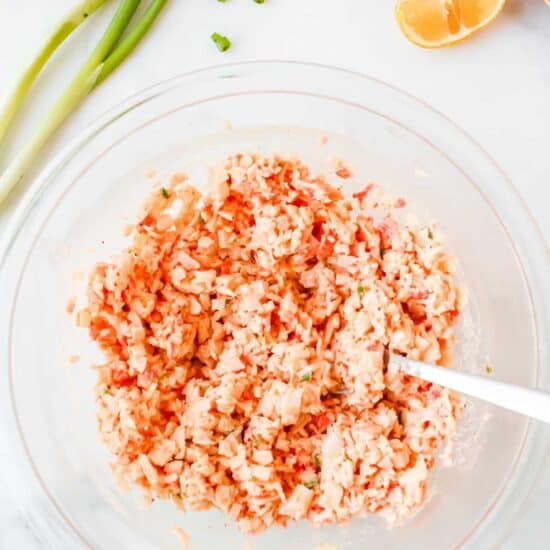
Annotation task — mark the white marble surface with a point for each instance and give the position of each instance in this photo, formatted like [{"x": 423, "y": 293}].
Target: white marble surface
[{"x": 496, "y": 86}]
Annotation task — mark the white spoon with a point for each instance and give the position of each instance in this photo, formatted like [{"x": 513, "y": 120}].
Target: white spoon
[{"x": 527, "y": 401}]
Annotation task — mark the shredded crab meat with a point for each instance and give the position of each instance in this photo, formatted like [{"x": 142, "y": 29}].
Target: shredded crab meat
[{"x": 244, "y": 333}]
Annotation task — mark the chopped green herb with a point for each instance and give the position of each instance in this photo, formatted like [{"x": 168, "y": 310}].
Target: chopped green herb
[
  {"x": 361, "y": 290},
  {"x": 164, "y": 193},
  {"x": 106, "y": 391},
  {"x": 222, "y": 42},
  {"x": 259, "y": 1},
  {"x": 254, "y": 479},
  {"x": 222, "y": 0},
  {"x": 230, "y": 432},
  {"x": 488, "y": 369},
  {"x": 306, "y": 377},
  {"x": 317, "y": 460},
  {"x": 430, "y": 234},
  {"x": 256, "y": 442},
  {"x": 205, "y": 389},
  {"x": 311, "y": 484},
  {"x": 201, "y": 219}
]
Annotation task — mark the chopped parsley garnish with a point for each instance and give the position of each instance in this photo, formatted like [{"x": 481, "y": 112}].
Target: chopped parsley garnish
[
  {"x": 205, "y": 389},
  {"x": 311, "y": 484},
  {"x": 361, "y": 290},
  {"x": 164, "y": 193},
  {"x": 106, "y": 391},
  {"x": 306, "y": 377},
  {"x": 256, "y": 442},
  {"x": 430, "y": 234},
  {"x": 222, "y": 42},
  {"x": 259, "y": 1},
  {"x": 317, "y": 460}
]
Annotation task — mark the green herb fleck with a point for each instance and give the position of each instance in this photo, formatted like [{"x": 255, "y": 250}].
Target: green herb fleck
[
  {"x": 201, "y": 219},
  {"x": 205, "y": 389},
  {"x": 361, "y": 290},
  {"x": 259, "y": 1},
  {"x": 430, "y": 234},
  {"x": 306, "y": 377},
  {"x": 221, "y": 1},
  {"x": 488, "y": 369},
  {"x": 256, "y": 442},
  {"x": 317, "y": 460},
  {"x": 222, "y": 42},
  {"x": 106, "y": 391},
  {"x": 164, "y": 193},
  {"x": 230, "y": 432},
  {"x": 254, "y": 479},
  {"x": 311, "y": 484}
]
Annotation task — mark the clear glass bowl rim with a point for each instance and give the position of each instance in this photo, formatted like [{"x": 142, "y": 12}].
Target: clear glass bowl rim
[{"x": 539, "y": 263}]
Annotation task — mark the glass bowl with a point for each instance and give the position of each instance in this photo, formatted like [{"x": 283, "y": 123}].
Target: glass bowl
[{"x": 73, "y": 216}]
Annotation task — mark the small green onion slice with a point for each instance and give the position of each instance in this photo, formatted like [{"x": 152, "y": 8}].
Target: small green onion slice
[{"x": 222, "y": 42}]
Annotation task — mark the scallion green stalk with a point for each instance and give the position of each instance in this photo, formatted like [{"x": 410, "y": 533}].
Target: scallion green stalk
[
  {"x": 109, "y": 53},
  {"x": 64, "y": 28},
  {"x": 131, "y": 40}
]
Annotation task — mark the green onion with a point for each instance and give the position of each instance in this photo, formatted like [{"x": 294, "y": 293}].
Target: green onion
[
  {"x": 259, "y": 1},
  {"x": 222, "y": 42},
  {"x": 164, "y": 193},
  {"x": 63, "y": 29},
  {"x": 105, "y": 58},
  {"x": 131, "y": 40},
  {"x": 311, "y": 484},
  {"x": 306, "y": 377},
  {"x": 317, "y": 460}
]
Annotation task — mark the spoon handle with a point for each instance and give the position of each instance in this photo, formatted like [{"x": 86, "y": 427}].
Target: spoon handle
[{"x": 527, "y": 401}]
